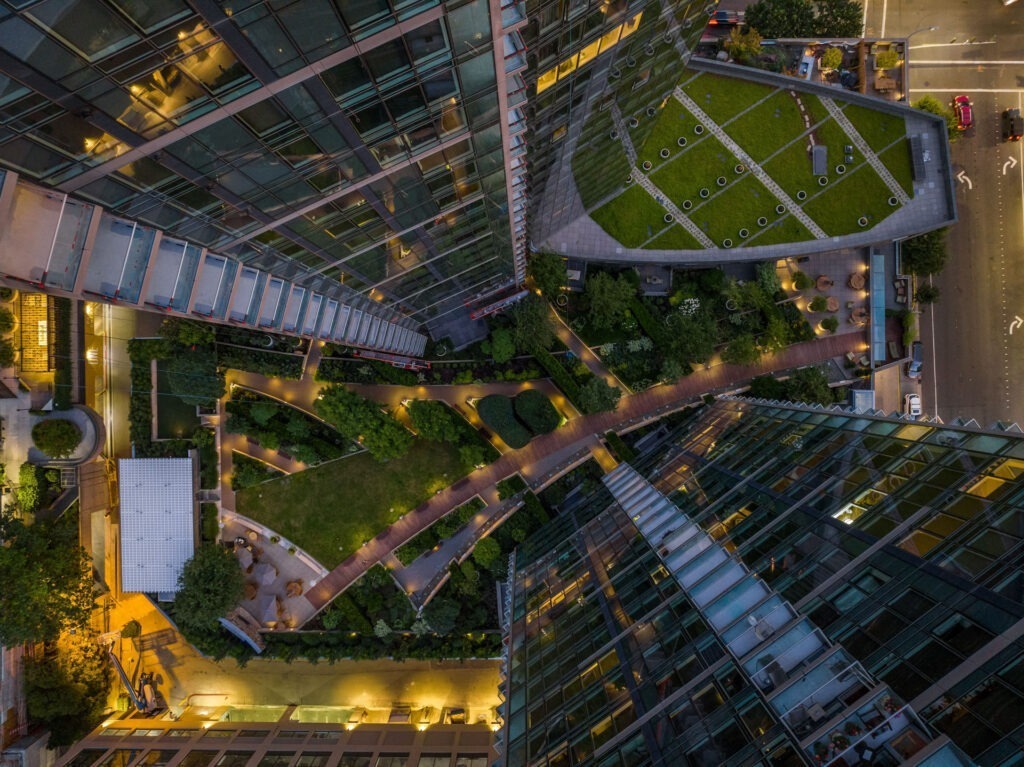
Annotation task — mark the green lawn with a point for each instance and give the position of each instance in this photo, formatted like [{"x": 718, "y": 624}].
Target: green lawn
[
  {"x": 814, "y": 107},
  {"x": 861, "y": 193},
  {"x": 788, "y": 229},
  {"x": 738, "y": 207},
  {"x": 674, "y": 238},
  {"x": 768, "y": 127},
  {"x": 897, "y": 159},
  {"x": 672, "y": 122},
  {"x": 331, "y": 510},
  {"x": 632, "y": 218},
  {"x": 724, "y": 97},
  {"x": 791, "y": 169},
  {"x": 879, "y": 129},
  {"x": 697, "y": 167}
]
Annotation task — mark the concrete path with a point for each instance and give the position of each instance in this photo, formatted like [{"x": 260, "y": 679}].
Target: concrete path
[
  {"x": 872, "y": 159},
  {"x": 584, "y": 353}
]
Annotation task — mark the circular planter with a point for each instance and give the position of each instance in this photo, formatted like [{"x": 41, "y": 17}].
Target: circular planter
[
  {"x": 630, "y": 61},
  {"x": 893, "y": 202},
  {"x": 726, "y": 243},
  {"x": 822, "y": 180},
  {"x": 629, "y": 180},
  {"x": 441, "y": 350},
  {"x": 801, "y": 195},
  {"x": 862, "y": 221},
  {"x": 651, "y": 111},
  {"x": 614, "y": 72},
  {"x": 698, "y": 129},
  {"x": 647, "y": 165},
  {"x": 705, "y": 193},
  {"x": 780, "y": 209},
  {"x": 739, "y": 169},
  {"x": 721, "y": 181},
  {"x": 731, "y": 305},
  {"x": 681, "y": 141},
  {"x": 663, "y": 154},
  {"x": 649, "y": 50},
  {"x": 634, "y": 123},
  {"x": 687, "y": 204},
  {"x": 562, "y": 299},
  {"x": 840, "y": 169},
  {"x": 613, "y": 135},
  {"x": 667, "y": 218},
  {"x": 744, "y": 234},
  {"x": 762, "y": 221}
]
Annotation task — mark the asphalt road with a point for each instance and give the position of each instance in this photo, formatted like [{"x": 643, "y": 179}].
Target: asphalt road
[{"x": 974, "y": 366}]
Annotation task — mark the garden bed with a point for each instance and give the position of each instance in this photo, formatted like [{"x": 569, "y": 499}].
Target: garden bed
[
  {"x": 248, "y": 472},
  {"x": 440, "y": 531},
  {"x": 175, "y": 419}
]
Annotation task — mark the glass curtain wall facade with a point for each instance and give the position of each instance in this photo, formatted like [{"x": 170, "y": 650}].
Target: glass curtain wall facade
[
  {"x": 897, "y": 544},
  {"x": 589, "y": 64},
  {"x": 362, "y": 143}
]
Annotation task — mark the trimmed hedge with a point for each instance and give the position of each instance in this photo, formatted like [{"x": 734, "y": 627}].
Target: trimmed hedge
[
  {"x": 536, "y": 412},
  {"x": 62, "y": 394},
  {"x": 441, "y": 530},
  {"x": 654, "y": 329},
  {"x": 498, "y": 413},
  {"x": 563, "y": 380},
  {"x": 268, "y": 363},
  {"x": 621, "y": 450},
  {"x": 351, "y": 370}
]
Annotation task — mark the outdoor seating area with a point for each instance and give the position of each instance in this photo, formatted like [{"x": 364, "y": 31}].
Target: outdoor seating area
[{"x": 825, "y": 294}]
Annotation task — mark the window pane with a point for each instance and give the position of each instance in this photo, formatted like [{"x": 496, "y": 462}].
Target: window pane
[{"x": 86, "y": 25}]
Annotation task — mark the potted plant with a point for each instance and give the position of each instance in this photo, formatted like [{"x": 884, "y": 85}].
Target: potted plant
[
  {"x": 852, "y": 729},
  {"x": 840, "y": 741}
]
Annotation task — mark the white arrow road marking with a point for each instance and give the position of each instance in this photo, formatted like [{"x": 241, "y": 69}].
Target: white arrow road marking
[
  {"x": 1012, "y": 162},
  {"x": 963, "y": 178},
  {"x": 1017, "y": 322}
]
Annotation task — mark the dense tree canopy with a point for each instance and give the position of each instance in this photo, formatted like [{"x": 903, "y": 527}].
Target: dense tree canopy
[
  {"x": 358, "y": 418},
  {"x": 608, "y": 298},
  {"x": 548, "y": 273},
  {"x": 743, "y": 44},
  {"x": 742, "y": 350},
  {"x": 781, "y": 18},
  {"x": 46, "y": 580},
  {"x": 57, "y": 437},
  {"x": 193, "y": 377},
  {"x": 838, "y": 18},
  {"x": 929, "y": 103},
  {"x": 597, "y": 396},
  {"x": 6, "y": 320},
  {"x": 503, "y": 345},
  {"x": 184, "y": 332},
  {"x": 434, "y": 420},
  {"x": 210, "y": 584},
  {"x": 531, "y": 323},
  {"x": 926, "y": 253}
]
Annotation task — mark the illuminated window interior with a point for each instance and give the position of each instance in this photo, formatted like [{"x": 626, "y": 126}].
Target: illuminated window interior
[{"x": 605, "y": 43}]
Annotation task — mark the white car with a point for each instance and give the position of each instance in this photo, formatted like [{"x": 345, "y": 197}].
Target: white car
[{"x": 912, "y": 405}]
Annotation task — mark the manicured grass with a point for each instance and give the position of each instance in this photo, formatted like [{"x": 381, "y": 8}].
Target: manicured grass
[
  {"x": 672, "y": 122},
  {"x": 897, "y": 159},
  {"x": 674, "y": 238},
  {"x": 787, "y": 229},
  {"x": 879, "y": 129},
  {"x": 767, "y": 127},
  {"x": 697, "y": 167},
  {"x": 861, "y": 193},
  {"x": 724, "y": 97},
  {"x": 631, "y": 218},
  {"x": 814, "y": 107},
  {"x": 792, "y": 169},
  {"x": 738, "y": 207},
  {"x": 331, "y": 510}
]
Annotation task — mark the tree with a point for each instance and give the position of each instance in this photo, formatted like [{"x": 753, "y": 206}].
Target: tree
[
  {"x": 434, "y": 420},
  {"x": 887, "y": 59},
  {"x": 781, "y": 18},
  {"x": 210, "y": 584},
  {"x": 743, "y": 44},
  {"x": 503, "y": 345},
  {"x": 831, "y": 324},
  {"x": 187, "y": 332},
  {"x": 693, "y": 337},
  {"x": 597, "y": 396},
  {"x": 47, "y": 587},
  {"x": 608, "y": 299},
  {"x": 838, "y": 18},
  {"x": 486, "y": 551},
  {"x": 767, "y": 387},
  {"x": 360, "y": 419},
  {"x": 818, "y": 304},
  {"x": 472, "y": 455},
  {"x": 56, "y": 437},
  {"x": 381, "y": 629},
  {"x": 6, "y": 353},
  {"x": 66, "y": 688},
  {"x": 810, "y": 386},
  {"x": 926, "y": 253},
  {"x": 547, "y": 270},
  {"x": 193, "y": 377},
  {"x": 6, "y": 320},
  {"x": 30, "y": 490},
  {"x": 927, "y": 294},
  {"x": 535, "y": 410},
  {"x": 531, "y": 323},
  {"x": 261, "y": 412},
  {"x": 832, "y": 58},
  {"x": 929, "y": 103},
  {"x": 742, "y": 350},
  {"x": 441, "y": 613}
]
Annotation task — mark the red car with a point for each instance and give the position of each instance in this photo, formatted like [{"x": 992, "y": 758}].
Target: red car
[{"x": 964, "y": 116}]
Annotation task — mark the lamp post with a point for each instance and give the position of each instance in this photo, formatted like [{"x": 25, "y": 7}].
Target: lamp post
[{"x": 922, "y": 29}]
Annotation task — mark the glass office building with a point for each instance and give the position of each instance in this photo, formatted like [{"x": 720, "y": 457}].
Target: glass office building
[
  {"x": 366, "y": 150},
  {"x": 778, "y": 585}
]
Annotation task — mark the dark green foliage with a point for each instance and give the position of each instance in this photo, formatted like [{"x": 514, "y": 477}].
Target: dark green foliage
[
  {"x": 46, "y": 580},
  {"x": 802, "y": 282},
  {"x": 831, "y": 324},
  {"x": 247, "y": 472},
  {"x": 56, "y": 437},
  {"x": 563, "y": 380},
  {"x": 379, "y": 599},
  {"x": 30, "y": 488},
  {"x": 927, "y": 294},
  {"x": 435, "y": 421},
  {"x": 344, "y": 614},
  {"x": 486, "y": 552},
  {"x": 276, "y": 425},
  {"x": 782, "y": 18},
  {"x": 536, "y": 412},
  {"x": 503, "y": 345},
  {"x": 210, "y": 584},
  {"x": 62, "y": 394},
  {"x": 925, "y": 254},
  {"x": 444, "y": 528},
  {"x": 498, "y": 413},
  {"x": 548, "y": 273},
  {"x": 608, "y": 298},
  {"x": 358, "y": 418},
  {"x": 929, "y": 103},
  {"x": 268, "y": 363},
  {"x": 767, "y": 387},
  {"x": 193, "y": 377},
  {"x": 620, "y": 449},
  {"x": 838, "y": 18},
  {"x": 531, "y": 324},
  {"x": 6, "y": 320},
  {"x": 510, "y": 486},
  {"x": 808, "y": 385},
  {"x": 441, "y": 614},
  {"x": 817, "y": 304},
  {"x": 742, "y": 350},
  {"x": 208, "y": 522},
  {"x": 350, "y": 369},
  {"x": 597, "y": 396},
  {"x": 655, "y": 329},
  {"x": 6, "y": 353},
  {"x": 187, "y": 333}
]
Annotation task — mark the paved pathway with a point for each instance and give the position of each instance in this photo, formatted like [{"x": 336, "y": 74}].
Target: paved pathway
[
  {"x": 858, "y": 141},
  {"x": 663, "y": 199},
  {"x": 584, "y": 353},
  {"x": 540, "y": 456},
  {"x": 746, "y": 159}
]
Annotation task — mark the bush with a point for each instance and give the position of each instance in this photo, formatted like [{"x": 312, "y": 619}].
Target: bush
[
  {"x": 6, "y": 320},
  {"x": 818, "y": 304},
  {"x": 558, "y": 373},
  {"x": 56, "y": 437},
  {"x": 267, "y": 363},
  {"x": 620, "y": 449},
  {"x": 536, "y": 412},
  {"x": 247, "y": 472},
  {"x": 498, "y": 413},
  {"x": 510, "y": 486},
  {"x": 359, "y": 418},
  {"x": 6, "y": 353},
  {"x": 62, "y": 353},
  {"x": 208, "y": 526},
  {"x": 802, "y": 282},
  {"x": 831, "y": 324},
  {"x": 599, "y": 396},
  {"x": 30, "y": 488}
]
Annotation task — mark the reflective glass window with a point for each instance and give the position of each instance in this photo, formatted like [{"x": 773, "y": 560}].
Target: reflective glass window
[{"x": 86, "y": 25}]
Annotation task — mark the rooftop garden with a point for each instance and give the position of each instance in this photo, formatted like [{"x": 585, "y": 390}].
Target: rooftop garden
[{"x": 696, "y": 171}]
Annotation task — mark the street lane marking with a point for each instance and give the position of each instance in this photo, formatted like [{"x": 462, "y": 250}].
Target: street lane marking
[
  {"x": 1017, "y": 322},
  {"x": 885, "y": 10},
  {"x": 935, "y": 372},
  {"x": 962, "y": 63},
  {"x": 952, "y": 45},
  {"x": 963, "y": 178},
  {"x": 1012, "y": 162},
  {"x": 973, "y": 90}
]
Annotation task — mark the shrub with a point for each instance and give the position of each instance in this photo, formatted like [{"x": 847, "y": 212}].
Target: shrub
[
  {"x": 6, "y": 353},
  {"x": 262, "y": 361},
  {"x": 818, "y": 304},
  {"x": 536, "y": 412},
  {"x": 62, "y": 353},
  {"x": 802, "y": 282},
  {"x": 30, "y": 488},
  {"x": 558, "y": 373},
  {"x": 498, "y": 413},
  {"x": 831, "y": 324},
  {"x": 56, "y": 437},
  {"x": 6, "y": 320},
  {"x": 510, "y": 486},
  {"x": 621, "y": 450}
]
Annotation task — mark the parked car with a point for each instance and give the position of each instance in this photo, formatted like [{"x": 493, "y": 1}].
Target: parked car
[
  {"x": 916, "y": 360},
  {"x": 1013, "y": 125},
  {"x": 964, "y": 114},
  {"x": 912, "y": 405}
]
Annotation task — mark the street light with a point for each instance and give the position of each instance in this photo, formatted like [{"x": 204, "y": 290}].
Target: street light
[{"x": 922, "y": 29}]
